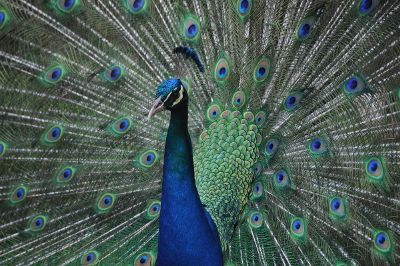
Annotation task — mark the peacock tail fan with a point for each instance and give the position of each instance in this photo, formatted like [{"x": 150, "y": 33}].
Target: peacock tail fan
[{"x": 294, "y": 115}]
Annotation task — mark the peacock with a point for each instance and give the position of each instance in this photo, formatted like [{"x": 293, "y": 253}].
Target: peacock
[{"x": 199, "y": 132}]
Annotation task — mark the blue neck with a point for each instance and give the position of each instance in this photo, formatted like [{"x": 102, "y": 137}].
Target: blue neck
[{"x": 185, "y": 235}]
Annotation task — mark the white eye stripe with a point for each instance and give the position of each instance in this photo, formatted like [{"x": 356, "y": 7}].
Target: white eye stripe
[{"x": 180, "y": 96}]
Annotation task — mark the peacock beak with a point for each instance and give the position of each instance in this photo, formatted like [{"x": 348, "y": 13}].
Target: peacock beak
[{"x": 158, "y": 106}]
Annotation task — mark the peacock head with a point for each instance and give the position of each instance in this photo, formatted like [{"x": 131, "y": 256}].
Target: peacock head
[{"x": 171, "y": 94}]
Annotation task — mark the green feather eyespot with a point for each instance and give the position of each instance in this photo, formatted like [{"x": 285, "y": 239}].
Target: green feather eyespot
[
  {"x": 113, "y": 73},
  {"x": 145, "y": 259},
  {"x": 365, "y": 7},
  {"x": 65, "y": 174},
  {"x": 258, "y": 190},
  {"x": 293, "y": 101},
  {"x": 374, "y": 169},
  {"x": 53, "y": 74},
  {"x": 243, "y": 8},
  {"x": 271, "y": 148},
  {"x": 382, "y": 242},
  {"x": 37, "y": 223},
  {"x": 190, "y": 28},
  {"x": 66, "y": 6},
  {"x": 147, "y": 159},
  {"x": 137, "y": 6},
  {"x": 255, "y": 219},
  {"x": 338, "y": 208},
  {"x": 90, "y": 257},
  {"x": 354, "y": 86},
  {"x": 281, "y": 179},
  {"x": 105, "y": 202},
  {"x": 3, "y": 148},
  {"x": 121, "y": 126},
  {"x": 222, "y": 70},
  {"x": 262, "y": 70},
  {"x": 298, "y": 228},
  {"x": 18, "y": 195},
  {"x": 260, "y": 118},
  {"x": 52, "y": 135},
  {"x": 213, "y": 112},
  {"x": 317, "y": 147},
  {"x": 249, "y": 117},
  {"x": 305, "y": 28},
  {"x": 153, "y": 209},
  {"x": 4, "y": 18},
  {"x": 238, "y": 99}
]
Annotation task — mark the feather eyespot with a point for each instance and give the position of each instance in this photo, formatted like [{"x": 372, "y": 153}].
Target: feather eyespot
[
  {"x": 153, "y": 209},
  {"x": 258, "y": 190},
  {"x": 148, "y": 159},
  {"x": 213, "y": 112},
  {"x": 222, "y": 70},
  {"x": 271, "y": 148},
  {"x": 298, "y": 228},
  {"x": 260, "y": 118},
  {"x": 137, "y": 6},
  {"x": 262, "y": 69},
  {"x": 243, "y": 7},
  {"x": 367, "y": 6},
  {"x": 337, "y": 208},
  {"x": 191, "y": 28},
  {"x": 281, "y": 179},
  {"x": 238, "y": 99},
  {"x": 90, "y": 258},
  {"x": 105, "y": 202},
  {"x": 52, "y": 135},
  {"x": 53, "y": 74},
  {"x": 122, "y": 125},
  {"x": 67, "y": 6},
  {"x": 354, "y": 86},
  {"x": 317, "y": 147},
  {"x": 114, "y": 73},
  {"x": 18, "y": 195},
  {"x": 37, "y": 223},
  {"x": 374, "y": 169},
  {"x": 293, "y": 101},
  {"x": 65, "y": 174},
  {"x": 305, "y": 28},
  {"x": 382, "y": 242},
  {"x": 255, "y": 219},
  {"x": 3, "y": 148},
  {"x": 144, "y": 259}
]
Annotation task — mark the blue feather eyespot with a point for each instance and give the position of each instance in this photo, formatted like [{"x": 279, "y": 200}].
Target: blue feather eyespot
[
  {"x": 382, "y": 242},
  {"x": 262, "y": 70},
  {"x": 255, "y": 219},
  {"x": 298, "y": 228},
  {"x": 281, "y": 179},
  {"x": 367, "y": 6},
  {"x": 260, "y": 118},
  {"x": 137, "y": 6},
  {"x": 293, "y": 101},
  {"x": 257, "y": 169},
  {"x": 4, "y": 18},
  {"x": 354, "y": 86},
  {"x": 338, "y": 209},
  {"x": 113, "y": 73},
  {"x": 222, "y": 71},
  {"x": 238, "y": 99},
  {"x": 191, "y": 28},
  {"x": 374, "y": 169},
  {"x": 121, "y": 126},
  {"x": 90, "y": 258},
  {"x": 67, "y": 6},
  {"x": 317, "y": 147},
  {"x": 53, "y": 74},
  {"x": 153, "y": 209},
  {"x": 3, "y": 148},
  {"x": 52, "y": 135},
  {"x": 65, "y": 174},
  {"x": 213, "y": 111},
  {"x": 147, "y": 159},
  {"x": 37, "y": 223},
  {"x": 258, "y": 190},
  {"x": 144, "y": 259},
  {"x": 18, "y": 195},
  {"x": 271, "y": 148},
  {"x": 105, "y": 202},
  {"x": 243, "y": 7},
  {"x": 305, "y": 28}
]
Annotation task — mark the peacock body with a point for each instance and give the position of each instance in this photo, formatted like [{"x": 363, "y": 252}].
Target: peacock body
[{"x": 293, "y": 111}]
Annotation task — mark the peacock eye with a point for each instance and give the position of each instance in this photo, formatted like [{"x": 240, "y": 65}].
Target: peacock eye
[
  {"x": 191, "y": 27},
  {"x": 382, "y": 242},
  {"x": 221, "y": 70},
  {"x": 374, "y": 169},
  {"x": 53, "y": 135},
  {"x": 367, "y": 6},
  {"x": 271, "y": 147},
  {"x": 153, "y": 209},
  {"x": 262, "y": 70},
  {"x": 105, "y": 202},
  {"x": 255, "y": 219},
  {"x": 243, "y": 7},
  {"x": 298, "y": 228},
  {"x": 113, "y": 73},
  {"x": 4, "y": 18},
  {"x": 281, "y": 179},
  {"x": 337, "y": 208},
  {"x": 18, "y": 194},
  {"x": 67, "y": 6},
  {"x": 144, "y": 259},
  {"x": 213, "y": 112},
  {"x": 148, "y": 158},
  {"x": 354, "y": 86},
  {"x": 137, "y": 6},
  {"x": 317, "y": 147},
  {"x": 65, "y": 174},
  {"x": 260, "y": 118},
  {"x": 3, "y": 148},
  {"x": 238, "y": 99},
  {"x": 53, "y": 74},
  {"x": 258, "y": 189},
  {"x": 122, "y": 125},
  {"x": 90, "y": 258},
  {"x": 37, "y": 223},
  {"x": 293, "y": 101},
  {"x": 305, "y": 28}
]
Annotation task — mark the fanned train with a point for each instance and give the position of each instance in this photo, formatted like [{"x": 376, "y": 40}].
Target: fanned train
[{"x": 294, "y": 117}]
